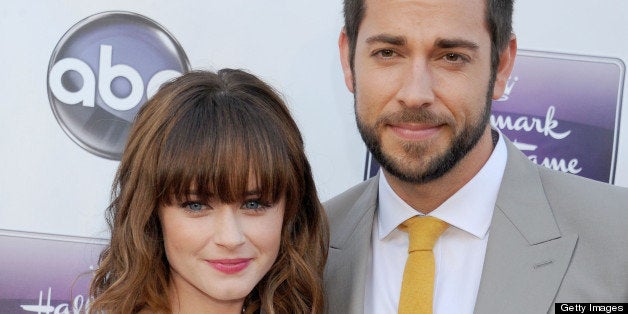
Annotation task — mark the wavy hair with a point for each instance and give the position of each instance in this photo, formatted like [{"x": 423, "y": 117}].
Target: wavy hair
[{"x": 211, "y": 130}]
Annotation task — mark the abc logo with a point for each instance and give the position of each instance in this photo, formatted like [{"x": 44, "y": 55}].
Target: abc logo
[{"x": 101, "y": 72}]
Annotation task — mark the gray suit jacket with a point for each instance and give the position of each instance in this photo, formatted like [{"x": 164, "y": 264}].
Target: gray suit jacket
[{"x": 554, "y": 237}]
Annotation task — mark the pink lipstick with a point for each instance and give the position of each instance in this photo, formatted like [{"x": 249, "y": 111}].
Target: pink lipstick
[{"x": 230, "y": 266}]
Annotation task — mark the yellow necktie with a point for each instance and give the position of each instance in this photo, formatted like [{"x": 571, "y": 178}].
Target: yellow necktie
[{"x": 417, "y": 288}]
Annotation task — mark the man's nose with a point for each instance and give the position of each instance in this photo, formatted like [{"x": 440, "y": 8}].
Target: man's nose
[{"x": 417, "y": 85}]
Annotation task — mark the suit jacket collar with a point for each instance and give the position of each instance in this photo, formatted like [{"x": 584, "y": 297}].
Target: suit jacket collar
[
  {"x": 526, "y": 256},
  {"x": 363, "y": 209},
  {"x": 350, "y": 252}
]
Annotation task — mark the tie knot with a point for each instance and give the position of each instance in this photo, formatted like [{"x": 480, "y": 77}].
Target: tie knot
[{"x": 423, "y": 232}]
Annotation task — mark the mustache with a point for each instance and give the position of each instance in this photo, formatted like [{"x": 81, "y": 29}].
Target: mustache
[{"x": 413, "y": 115}]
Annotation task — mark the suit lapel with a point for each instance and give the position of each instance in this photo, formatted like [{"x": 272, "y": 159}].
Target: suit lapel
[
  {"x": 526, "y": 257},
  {"x": 350, "y": 253}
]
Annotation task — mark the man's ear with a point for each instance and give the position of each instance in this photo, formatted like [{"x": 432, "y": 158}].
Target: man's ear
[
  {"x": 506, "y": 63},
  {"x": 343, "y": 46}
]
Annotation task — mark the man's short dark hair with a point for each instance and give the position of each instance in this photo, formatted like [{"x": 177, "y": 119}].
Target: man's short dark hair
[{"x": 498, "y": 20}]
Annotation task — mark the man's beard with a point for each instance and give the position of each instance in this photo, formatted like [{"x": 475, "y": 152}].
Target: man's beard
[{"x": 436, "y": 166}]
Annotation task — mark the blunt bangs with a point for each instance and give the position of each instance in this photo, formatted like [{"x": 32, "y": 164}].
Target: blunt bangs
[{"x": 215, "y": 144}]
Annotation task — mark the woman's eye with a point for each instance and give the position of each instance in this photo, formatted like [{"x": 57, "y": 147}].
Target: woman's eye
[
  {"x": 193, "y": 206},
  {"x": 254, "y": 205}
]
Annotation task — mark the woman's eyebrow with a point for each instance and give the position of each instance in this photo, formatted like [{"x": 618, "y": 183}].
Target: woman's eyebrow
[{"x": 252, "y": 192}]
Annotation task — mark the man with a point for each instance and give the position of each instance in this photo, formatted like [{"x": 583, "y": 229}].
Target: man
[{"x": 520, "y": 237}]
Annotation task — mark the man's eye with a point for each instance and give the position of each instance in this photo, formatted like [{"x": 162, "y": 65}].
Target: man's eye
[
  {"x": 453, "y": 57},
  {"x": 385, "y": 53}
]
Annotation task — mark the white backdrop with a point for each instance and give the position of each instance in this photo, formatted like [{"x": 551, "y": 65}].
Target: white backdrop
[{"x": 49, "y": 184}]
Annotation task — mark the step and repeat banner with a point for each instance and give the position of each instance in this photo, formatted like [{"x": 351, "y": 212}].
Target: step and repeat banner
[{"x": 76, "y": 73}]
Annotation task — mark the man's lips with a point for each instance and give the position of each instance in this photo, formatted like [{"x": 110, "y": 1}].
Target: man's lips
[
  {"x": 230, "y": 266},
  {"x": 415, "y": 131}
]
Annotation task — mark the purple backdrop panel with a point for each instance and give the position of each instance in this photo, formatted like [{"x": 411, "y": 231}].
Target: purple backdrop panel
[
  {"x": 563, "y": 111},
  {"x": 45, "y": 273}
]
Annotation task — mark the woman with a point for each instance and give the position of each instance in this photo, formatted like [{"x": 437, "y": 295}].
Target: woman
[{"x": 214, "y": 207}]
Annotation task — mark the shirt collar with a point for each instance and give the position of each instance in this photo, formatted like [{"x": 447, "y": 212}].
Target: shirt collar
[{"x": 469, "y": 209}]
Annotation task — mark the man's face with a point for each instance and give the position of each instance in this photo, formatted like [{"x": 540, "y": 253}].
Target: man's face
[{"x": 422, "y": 84}]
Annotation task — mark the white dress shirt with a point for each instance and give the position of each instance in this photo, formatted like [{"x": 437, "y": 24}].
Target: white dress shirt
[{"x": 458, "y": 253}]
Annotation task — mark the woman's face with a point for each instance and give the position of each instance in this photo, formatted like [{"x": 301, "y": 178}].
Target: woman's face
[{"x": 218, "y": 252}]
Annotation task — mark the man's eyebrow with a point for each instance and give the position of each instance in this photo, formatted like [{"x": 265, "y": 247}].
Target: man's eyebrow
[
  {"x": 387, "y": 39},
  {"x": 456, "y": 43}
]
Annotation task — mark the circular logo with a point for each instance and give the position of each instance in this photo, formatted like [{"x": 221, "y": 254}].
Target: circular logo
[{"x": 101, "y": 72}]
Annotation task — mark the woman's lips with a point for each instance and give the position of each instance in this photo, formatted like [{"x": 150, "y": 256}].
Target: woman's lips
[{"x": 230, "y": 266}]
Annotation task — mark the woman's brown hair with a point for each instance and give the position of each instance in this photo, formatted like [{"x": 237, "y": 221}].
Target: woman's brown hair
[{"x": 211, "y": 130}]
